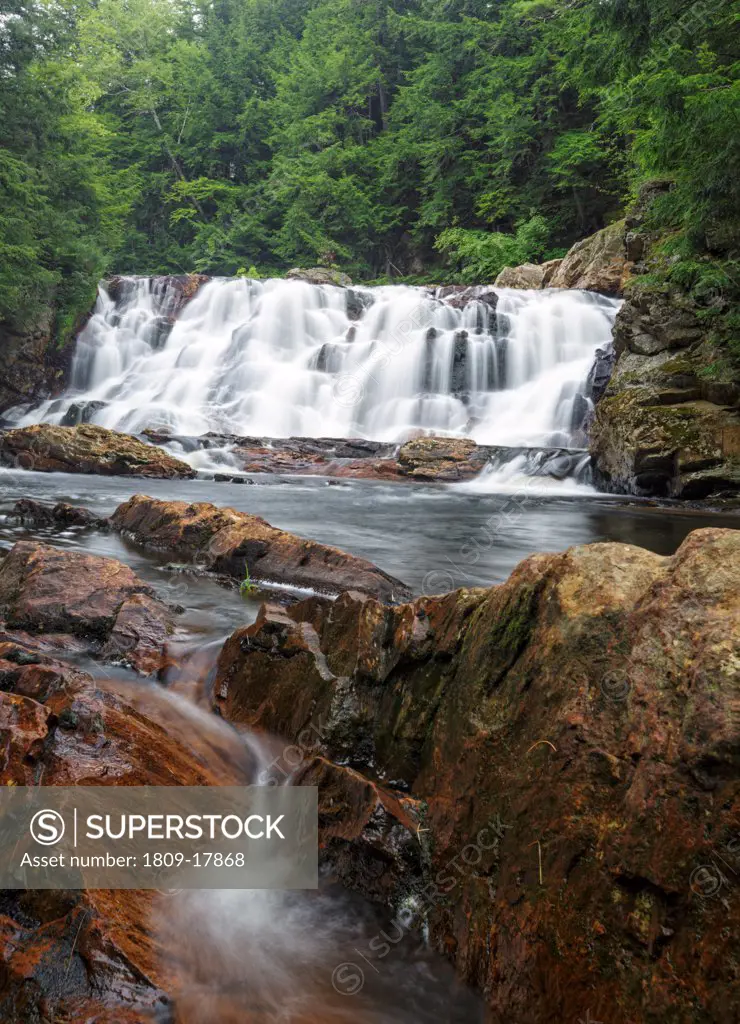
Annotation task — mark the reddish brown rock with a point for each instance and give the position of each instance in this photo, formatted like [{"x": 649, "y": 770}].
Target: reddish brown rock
[
  {"x": 367, "y": 834},
  {"x": 93, "y": 955},
  {"x": 99, "y": 603},
  {"x": 227, "y": 542},
  {"x": 575, "y": 736},
  {"x": 46, "y": 448}
]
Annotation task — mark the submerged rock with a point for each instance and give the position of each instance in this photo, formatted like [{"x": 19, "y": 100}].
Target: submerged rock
[
  {"x": 572, "y": 735},
  {"x": 46, "y": 448},
  {"x": 36, "y": 513},
  {"x": 75, "y": 602},
  {"x": 229, "y": 542}
]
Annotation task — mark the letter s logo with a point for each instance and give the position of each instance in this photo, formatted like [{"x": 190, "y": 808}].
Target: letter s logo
[{"x": 47, "y": 827}]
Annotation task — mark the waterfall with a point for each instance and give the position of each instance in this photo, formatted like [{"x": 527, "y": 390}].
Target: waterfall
[{"x": 285, "y": 358}]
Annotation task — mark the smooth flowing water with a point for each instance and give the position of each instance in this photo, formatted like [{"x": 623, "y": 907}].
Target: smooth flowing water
[{"x": 285, "y": 358}]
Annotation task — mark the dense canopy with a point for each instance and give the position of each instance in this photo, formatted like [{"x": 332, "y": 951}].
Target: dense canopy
[{"x": 419, "y": 139}]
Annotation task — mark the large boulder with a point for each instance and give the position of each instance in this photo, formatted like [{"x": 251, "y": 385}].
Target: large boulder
[
  {"x": 650, "y": 322},
  {"x": 643, "y": 443},
  {"x": 46, "y": 448},
  {"x": 320, "y": 275},
  {"x": 597, "y": 264},
  {"x": 441, "y": 458},
  {"x": 75, "y": 602},
  {"x": 572, "y": 733},
  {"x": 230, "y": 543},
  {"x": 528, "y": 275}
]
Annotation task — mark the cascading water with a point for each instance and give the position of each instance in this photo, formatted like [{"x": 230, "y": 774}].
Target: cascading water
[{"x": 286, "y": 358}]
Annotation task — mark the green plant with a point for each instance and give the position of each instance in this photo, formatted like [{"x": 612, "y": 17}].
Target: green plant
[{"x": 247, "y": 586}]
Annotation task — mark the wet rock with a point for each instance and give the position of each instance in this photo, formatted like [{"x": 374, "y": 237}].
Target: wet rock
[
  {"x": 87, "y": 449},
  {"x": 460, "y": 296},
  {"x": 158, "y": 331},
  {"x": 81, "y": 412},
  {"x": 358, "y": 302},
  {"x": 92, "y": 955},
  {"x": 320, "y": 275},
  {"x": 226, "y": 542},
  {"x": 658, "y": 432},
  {"x": 36, "y": 513},
  {"x": 580, "y": 423},
  {"x": 600, "y": 373},
  {"x": 329, "y": 358},
  {"x": 572, "y": 735},
  {"x": 460, "y": 376},
  {"x": 643, "y": 444},
  {"x": 97, "y": 602},
  {"x": 440, "y": 458},
  {"x": 367, "y": 834},
  {"x": 171, "y": 293},
  {"x": 34, "y": 366}
]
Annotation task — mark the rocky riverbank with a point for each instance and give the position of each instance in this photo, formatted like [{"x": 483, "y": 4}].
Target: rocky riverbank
[
  {"x": 90, "y": 449},
  {"x": 570, "y": 738},
  {"x": 541, "y": 775}
]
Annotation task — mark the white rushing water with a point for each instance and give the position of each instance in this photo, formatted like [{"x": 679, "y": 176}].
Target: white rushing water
[{"x": 283, "y": 358}]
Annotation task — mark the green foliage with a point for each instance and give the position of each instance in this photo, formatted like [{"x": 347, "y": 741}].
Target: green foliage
[
  {"x": 384, "y": 136},
  {"x": 480, "y": 256}
]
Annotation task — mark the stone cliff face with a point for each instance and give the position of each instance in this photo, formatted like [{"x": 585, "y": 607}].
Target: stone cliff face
[
  {"x": 571, "y": 740},
  {"x": 669, "y": 421},
  {"x": 34, "y": 368}
]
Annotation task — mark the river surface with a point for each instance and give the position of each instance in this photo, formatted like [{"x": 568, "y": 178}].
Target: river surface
[
  {"x": 434, "y": 538},
  {"x": 305, "y": 958}
]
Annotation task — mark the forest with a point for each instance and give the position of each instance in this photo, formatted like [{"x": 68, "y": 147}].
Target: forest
[{"x": 419, "y": 140}]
